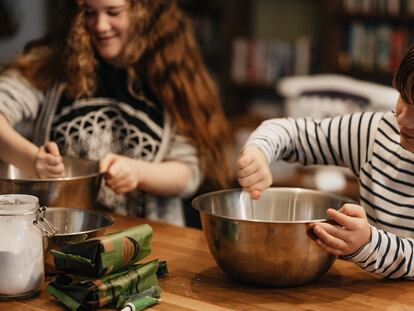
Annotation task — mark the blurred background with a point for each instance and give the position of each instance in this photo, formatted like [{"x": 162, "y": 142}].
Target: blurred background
[{"x": 274, "y": 58}]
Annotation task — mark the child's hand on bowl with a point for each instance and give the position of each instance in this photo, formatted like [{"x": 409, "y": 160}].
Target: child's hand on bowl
[
  {"x": 49, "y": 162},
  {"x": 350, "y": 234},
  {"x": 119, "y": 173}
]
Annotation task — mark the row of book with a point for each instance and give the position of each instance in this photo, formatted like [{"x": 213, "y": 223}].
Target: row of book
[
  {"x": 383, "y": 7},
  {"x": 265, "y": 61},
  {"x": 375, "y": 47}
]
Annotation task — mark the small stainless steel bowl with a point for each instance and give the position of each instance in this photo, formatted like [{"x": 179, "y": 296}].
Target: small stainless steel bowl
[
  {"x": 268, "y": 242},
  {"x": 78, "y": 188},
  {"x": 74, "y": 225}
]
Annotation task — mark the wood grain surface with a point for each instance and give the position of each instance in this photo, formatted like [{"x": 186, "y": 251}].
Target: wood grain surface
[{"x": 196, "y": 283}]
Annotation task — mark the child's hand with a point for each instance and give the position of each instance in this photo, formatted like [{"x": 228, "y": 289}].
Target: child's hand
[
  {"x": 253, "y": 171},
  {"x": 48, "y": 161},
  {"x": 119, "y": 173},
  {"x": 351, "y": 233}
]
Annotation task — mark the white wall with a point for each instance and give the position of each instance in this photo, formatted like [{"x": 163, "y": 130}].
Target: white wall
[{"x": 32, "y": 25}]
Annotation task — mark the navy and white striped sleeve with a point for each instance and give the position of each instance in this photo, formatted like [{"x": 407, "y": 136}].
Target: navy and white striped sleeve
[
  {"x": 342, "y": 140},
  {"x": 386, "y": 255}
]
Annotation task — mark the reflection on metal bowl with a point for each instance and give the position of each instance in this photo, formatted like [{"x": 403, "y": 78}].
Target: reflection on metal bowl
[
  {"x": 74, "y": 225},
  {"x": 78, "y": 188},
  {"x": 268, "y": 241}
]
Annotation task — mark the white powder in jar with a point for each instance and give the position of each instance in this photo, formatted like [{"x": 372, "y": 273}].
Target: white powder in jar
[{"x": 21, "y": 255}]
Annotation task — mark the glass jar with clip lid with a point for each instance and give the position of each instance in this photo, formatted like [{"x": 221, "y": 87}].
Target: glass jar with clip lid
[{"x": 22, "y": 224}]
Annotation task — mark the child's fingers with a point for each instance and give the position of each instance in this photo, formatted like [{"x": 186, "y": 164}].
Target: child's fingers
[
  {"x": 52, "y": 148},
  {"x": 52, "y": 160},
  {"x": 264, "y": 183},
  {"x": 244, "y": 160},
  {"x": 106, "y": 162},
  {"x": 115, "y": 170},
  {"x": 56, "y": 169},
  {"x": 331, "y": 241},
  {"x": 335, "y": 231},
  {"x": 120, "y": 185},
  {"x": 255, "y": 194},
  {"x": 112, "y": 183},
  {"x": 247, "y": 171},
  {"x": 352, "y": 210},
  {"x": 344, "y": 220},
  {"x": 331, "y": 250},
  {"x": 123, "y": 189},
  {"x": 53, "y": 175},
  {"x": 250, "y": 180},
  {"x": 259, "y": 186}
]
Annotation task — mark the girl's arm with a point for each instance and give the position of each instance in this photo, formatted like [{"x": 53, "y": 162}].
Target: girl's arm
[
  {"x": 15, "y": 149},
  {"x": 124, "y": 174},
  {"x": 178, "y": 175},
  {"x": 342, "y": 140},
  {"x": 20, "y": 103}
]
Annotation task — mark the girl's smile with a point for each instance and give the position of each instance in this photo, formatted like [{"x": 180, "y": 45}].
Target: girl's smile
[{"x": 108, "y": 24}]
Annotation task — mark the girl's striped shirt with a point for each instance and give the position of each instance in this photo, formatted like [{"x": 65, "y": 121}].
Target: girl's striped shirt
[{"x": 368, "y": 144}]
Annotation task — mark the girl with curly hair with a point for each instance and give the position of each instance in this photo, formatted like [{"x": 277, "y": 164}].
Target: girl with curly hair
[{"x": 123, "y": 82}]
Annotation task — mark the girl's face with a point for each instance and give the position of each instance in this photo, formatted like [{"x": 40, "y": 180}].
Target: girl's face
[
  {"x": 405, "y": 119},
  {"x": 107, "y": 22}
]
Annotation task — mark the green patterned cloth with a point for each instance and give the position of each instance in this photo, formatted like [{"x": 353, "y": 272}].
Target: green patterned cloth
[
  {"x": 79, "y": 294},
  {"x": 110, "y": 253}
]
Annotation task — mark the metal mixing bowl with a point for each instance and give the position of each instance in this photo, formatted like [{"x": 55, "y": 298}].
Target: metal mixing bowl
[
  {"x": 74, "y": 225},
  {"x": 79, "y": 188},
  {"x": 267, "y": 242}
]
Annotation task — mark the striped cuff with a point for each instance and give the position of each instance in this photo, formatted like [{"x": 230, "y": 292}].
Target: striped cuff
[{"x": 365, "y": 251}]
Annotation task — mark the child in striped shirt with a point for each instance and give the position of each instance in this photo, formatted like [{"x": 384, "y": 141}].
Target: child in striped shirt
[{"x": 378, "y": 147}]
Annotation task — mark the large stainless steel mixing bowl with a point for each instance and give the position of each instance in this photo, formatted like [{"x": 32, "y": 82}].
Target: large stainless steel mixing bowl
[
  {"x": 78, "y": 188},
  {"x": 268, "y": 242},
  {"x": 74, "y": 225}
]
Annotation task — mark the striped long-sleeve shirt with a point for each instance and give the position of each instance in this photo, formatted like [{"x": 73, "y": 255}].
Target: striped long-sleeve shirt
[{"x": 369, "y": 144}]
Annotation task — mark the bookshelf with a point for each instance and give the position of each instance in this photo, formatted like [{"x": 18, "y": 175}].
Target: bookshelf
[
  {"x": 282, "y": 40},
  {"x": 254, "y": 43},
  {"x": 368, "y": 37},
  {"x": 270, "y": 39}
]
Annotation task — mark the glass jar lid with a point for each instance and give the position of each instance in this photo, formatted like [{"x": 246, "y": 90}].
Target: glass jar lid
[{"x": 18, "y": 204}]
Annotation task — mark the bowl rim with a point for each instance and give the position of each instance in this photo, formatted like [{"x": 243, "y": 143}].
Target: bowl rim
[
  {"x": 99, "y": 213},
  {"x": 293, "y": 189},
  {"x": 57, "y": 179}
]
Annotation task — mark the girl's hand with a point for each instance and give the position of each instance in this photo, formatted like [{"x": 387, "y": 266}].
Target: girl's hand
[
  {"x": 351, "y": 233},
  {"x": 48, "y": 161},
  {"x": 253, "y": 171},
  {"x": 120, "y": 175}
]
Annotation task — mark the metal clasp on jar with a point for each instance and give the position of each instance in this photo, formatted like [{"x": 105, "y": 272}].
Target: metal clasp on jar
[{"x": 43, "y": 224}]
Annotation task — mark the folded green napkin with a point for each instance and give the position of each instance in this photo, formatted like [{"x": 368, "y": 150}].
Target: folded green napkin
[
  {"x": 79, "y": 294},
  {"x": 110, "y": 253}
]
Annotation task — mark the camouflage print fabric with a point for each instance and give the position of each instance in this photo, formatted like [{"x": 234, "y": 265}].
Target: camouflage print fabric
[
  {"x": 79, "y": 294},
  {"x": 110, "y": 253}
]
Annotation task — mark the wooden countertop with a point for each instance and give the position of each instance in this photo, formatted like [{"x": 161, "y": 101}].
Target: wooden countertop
[{"x": 196, "y": 283}]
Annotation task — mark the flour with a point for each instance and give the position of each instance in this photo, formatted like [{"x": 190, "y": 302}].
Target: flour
[{"x": 21, "y": 251}]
